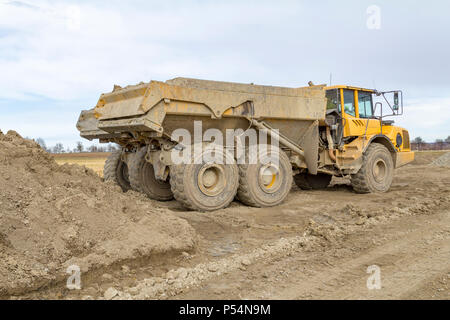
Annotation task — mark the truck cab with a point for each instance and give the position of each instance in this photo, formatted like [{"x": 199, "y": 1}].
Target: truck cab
[{"x": 358, "y": 117}]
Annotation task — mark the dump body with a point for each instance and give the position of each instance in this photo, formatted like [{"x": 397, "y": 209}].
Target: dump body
[{"x": 160, "y": 106}]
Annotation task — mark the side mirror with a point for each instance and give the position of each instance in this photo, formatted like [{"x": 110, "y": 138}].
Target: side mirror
[{"x": 396, "y": 101}]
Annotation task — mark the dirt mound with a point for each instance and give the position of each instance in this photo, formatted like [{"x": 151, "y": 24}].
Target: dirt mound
[
  {"x": 442, "y": 161},
  {"x": 55, "y": 216}
]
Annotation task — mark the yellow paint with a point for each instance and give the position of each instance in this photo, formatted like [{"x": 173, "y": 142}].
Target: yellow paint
[
  {"x": 404, "y": 158},
  {"x": 274, "y": 178}
]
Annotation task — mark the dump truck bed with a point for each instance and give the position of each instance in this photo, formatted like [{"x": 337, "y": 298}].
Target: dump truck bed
[{"x": 157, "y": 106}]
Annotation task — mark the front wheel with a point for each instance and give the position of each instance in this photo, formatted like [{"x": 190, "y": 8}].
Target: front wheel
[{"x": 377, "y": 171}]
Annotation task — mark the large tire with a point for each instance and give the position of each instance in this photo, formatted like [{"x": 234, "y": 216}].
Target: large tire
[
  {"x": 377, "y": 171},
  {"x": 312, "y": 182},
  {"x": 265, "y": 184},
  {"x": 116, "y": 170},
  {"x": 205, "y": 186},
  {"x": 142, "y": 178}
]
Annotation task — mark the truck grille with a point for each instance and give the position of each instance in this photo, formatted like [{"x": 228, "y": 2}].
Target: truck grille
[{"x": 406, "y": 143}]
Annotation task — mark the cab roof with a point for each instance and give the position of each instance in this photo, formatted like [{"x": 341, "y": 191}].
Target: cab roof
[{"x": 350, "y": 88}]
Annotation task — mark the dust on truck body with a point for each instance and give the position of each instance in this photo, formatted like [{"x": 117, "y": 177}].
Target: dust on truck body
[{"x": 322, "y": 132}]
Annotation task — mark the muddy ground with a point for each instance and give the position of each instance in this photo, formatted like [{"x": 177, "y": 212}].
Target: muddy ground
[{"x": 317, "y": 245}]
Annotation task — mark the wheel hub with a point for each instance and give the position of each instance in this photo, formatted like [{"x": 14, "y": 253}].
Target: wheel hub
[
  {"x": 269, "y": 178},
  {"x": 211, "y": 180},
  {"x": 379, "y": 170}
]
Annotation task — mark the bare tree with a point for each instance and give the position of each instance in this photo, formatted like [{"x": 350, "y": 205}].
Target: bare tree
[
  {"x": 440, "y": 143},
  {"x": 41, "y": 142},
  {"x": 79, "y": 148},
  {"x": 447, "y": 140},
  {"x": 111, "y": 147},
  {"x": 58, "y": 148},
  {"x": 419, "y": 141}
]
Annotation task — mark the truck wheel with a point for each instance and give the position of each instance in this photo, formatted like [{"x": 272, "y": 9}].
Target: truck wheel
[
  {"x": 142, "y": 178},
  {"x": 266, "y": 183},
  {"x": 204, "y": 185},
  {"x": 377, "y": 171},
  {"x": 116, "y": 170},
  {"x": 311, "y": 182}
]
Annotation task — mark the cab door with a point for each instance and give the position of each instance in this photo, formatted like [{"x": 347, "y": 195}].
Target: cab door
[
  {"x": 365, "y": 109},
  {"x": 349, "y": 112},
  {"x": 358, "y": 113}
]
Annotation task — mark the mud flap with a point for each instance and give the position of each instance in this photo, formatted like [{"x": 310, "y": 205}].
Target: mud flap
[{"x": 310, "y": 143}]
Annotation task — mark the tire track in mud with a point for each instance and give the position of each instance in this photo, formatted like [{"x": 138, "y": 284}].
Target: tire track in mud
[
  {"x": 408, "y": 260},
  {"x": 177, "y": 281},
  {"x": 404, "y": 264}
]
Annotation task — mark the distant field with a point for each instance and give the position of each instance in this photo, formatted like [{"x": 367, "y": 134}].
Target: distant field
[{"x": 94, "y": 160}]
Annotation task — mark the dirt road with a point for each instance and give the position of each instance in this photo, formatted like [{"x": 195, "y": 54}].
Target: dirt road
[
  {"x": 317, "y": 245},
  {"x": 413, "y": 256}
]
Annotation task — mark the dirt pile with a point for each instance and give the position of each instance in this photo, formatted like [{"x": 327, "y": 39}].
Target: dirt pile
[
  {"x": 55, "y": 216},
  {"x": 442, "y": 161}
]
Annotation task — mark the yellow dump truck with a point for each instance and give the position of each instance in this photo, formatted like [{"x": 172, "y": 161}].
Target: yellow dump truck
[{"x": 320, "y": 132}]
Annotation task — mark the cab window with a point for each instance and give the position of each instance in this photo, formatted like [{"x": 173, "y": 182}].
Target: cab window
[
  {"x": 365, "y": 105},
  {"x": 349, "y": 102},
  {"x": 333, "y": 100}
]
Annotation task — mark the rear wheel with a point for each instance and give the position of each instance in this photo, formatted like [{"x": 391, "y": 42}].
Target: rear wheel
[
  {"x": 312, "y": 182},
  {"x": 205, "y": 185},
  {"x": 117, "y": 170},
  {"x": 267, "y": 182},
  {"x": 142, "y": 178},
  {"x": 377, "y": 171}
]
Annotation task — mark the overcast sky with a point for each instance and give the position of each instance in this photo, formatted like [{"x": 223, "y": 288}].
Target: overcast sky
[{"x": 57, "y": 57}]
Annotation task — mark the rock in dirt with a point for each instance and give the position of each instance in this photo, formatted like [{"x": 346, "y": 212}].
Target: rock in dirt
[
  {"x": 107, "y": 277},
  {"x": 110, "y": 293},
  {"x": 246, "y": 262}
]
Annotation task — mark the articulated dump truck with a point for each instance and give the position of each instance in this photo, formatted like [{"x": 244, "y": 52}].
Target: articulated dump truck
[{"x": 320, "y": 132}]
